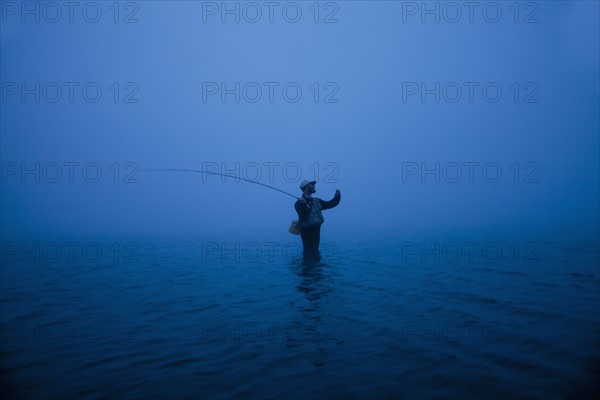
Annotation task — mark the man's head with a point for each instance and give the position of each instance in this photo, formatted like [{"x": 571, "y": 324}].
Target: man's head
[{"x": 308, "y": 187}]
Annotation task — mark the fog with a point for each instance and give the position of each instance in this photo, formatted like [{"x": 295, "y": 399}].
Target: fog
[{"x": 422, "y": 125}]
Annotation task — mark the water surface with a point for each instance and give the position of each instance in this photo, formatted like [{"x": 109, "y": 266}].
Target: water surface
[{"x": 381, "y": 316}]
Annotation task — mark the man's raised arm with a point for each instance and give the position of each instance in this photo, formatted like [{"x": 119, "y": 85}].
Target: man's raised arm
[{"x": 333, "y": 202}]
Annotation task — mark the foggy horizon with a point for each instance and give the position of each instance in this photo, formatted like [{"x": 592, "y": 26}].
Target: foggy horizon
[{"x": 383, "y": 106}]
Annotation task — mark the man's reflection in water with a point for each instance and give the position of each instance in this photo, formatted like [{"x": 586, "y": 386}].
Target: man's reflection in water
[
  {"x": 314, "y": 288},
  {"x": 318, "y": 322}
]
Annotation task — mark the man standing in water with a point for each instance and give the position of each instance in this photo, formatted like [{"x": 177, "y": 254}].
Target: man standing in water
[{"x": 310, "y": 217}]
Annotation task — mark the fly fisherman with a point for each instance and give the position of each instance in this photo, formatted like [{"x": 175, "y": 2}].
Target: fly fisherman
[{"x": 310, "y": 217}]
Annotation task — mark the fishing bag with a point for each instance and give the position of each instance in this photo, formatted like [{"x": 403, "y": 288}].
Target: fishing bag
[{"x": 294, "y": 227}]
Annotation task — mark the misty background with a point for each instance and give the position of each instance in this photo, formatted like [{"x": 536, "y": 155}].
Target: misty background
[{"x": 361, "y": 140}]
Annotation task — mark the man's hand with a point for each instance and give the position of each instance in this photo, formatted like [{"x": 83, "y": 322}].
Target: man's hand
[{"x": 338, "y": 193}]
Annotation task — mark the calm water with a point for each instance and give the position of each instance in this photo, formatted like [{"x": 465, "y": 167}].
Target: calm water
[{"x": 381, "y": 316}]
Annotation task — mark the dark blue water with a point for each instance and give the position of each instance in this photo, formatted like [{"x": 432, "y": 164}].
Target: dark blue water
[{"x": 381, "y": 316}]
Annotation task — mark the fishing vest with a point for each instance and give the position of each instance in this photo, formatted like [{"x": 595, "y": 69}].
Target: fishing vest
[{"x": 315, "y": 217}]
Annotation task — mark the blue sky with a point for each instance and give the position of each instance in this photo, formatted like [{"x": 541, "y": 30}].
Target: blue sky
[{"x": 362, "y": 132}]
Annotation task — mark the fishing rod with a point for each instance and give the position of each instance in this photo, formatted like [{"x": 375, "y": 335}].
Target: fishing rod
[{"x": 216, "y": 173}]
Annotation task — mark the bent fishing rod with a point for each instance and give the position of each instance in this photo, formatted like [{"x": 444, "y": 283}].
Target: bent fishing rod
[{"x": 216, "y": 173}]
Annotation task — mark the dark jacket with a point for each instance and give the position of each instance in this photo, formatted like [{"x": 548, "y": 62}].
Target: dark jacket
[{"x": 304, "y": 208}]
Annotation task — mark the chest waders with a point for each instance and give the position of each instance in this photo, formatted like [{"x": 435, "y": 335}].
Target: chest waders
[{"x": 310, "y": 230}]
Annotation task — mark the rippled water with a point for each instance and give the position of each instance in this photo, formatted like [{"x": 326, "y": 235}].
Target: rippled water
[{"x": 385, "y": 316}]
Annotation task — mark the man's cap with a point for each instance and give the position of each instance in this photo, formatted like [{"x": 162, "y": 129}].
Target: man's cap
[{"x": 305, "y": 182}]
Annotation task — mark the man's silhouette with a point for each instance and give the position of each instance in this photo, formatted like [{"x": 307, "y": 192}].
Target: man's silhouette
[{"x": 310, "y": 218}]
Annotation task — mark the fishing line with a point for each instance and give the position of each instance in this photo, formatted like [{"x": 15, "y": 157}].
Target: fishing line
[{"x": 216, "y": 173}]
